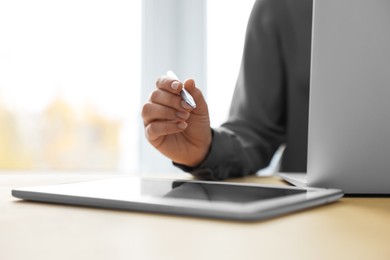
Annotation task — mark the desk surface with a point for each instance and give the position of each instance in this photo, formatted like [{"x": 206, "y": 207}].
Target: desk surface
[{"x": 352, "y": 228}]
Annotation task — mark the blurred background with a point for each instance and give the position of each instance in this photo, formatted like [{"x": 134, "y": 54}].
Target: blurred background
[{"x": 74, "y": 75}]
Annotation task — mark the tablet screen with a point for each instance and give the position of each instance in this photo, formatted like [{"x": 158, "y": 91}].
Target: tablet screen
[
  {"x": 134, "y": 189},
  {"x": 228, "y": 193},
  {"x": 213, "y": 192}
]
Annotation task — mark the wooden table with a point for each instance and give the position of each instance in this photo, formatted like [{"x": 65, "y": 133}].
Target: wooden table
[{"x": 352, "y": 228}]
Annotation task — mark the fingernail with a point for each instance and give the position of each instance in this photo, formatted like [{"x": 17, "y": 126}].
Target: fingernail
[
  {"x": 183, "y": 115},
  {"x": 182, "y": 125},
  {"x": 175, "y": 85},
  {"x": 185, "y": 105}
]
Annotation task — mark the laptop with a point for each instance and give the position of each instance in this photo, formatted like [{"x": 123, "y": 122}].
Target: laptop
[{"x": 349, "y": 111}]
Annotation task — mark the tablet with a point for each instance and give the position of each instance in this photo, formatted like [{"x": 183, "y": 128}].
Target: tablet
[{"x": 235, "y": 201}]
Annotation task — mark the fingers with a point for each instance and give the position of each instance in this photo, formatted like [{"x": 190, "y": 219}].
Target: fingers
[
  {"x": 164, "y": 114},
  {"x": 158, "y": 129},
  {"x": 167, "y": 99},
  {"x": 169, "y": 84},
  {"x": 167, "y": 113},
  {"x": 152, "y": 112}
]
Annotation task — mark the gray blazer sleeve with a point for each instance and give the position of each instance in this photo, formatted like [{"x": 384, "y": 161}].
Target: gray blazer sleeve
[{"x": 256, "y": 123}]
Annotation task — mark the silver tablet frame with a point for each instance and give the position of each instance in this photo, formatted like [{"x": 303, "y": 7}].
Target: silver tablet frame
[{"x": 250, "y": 211}]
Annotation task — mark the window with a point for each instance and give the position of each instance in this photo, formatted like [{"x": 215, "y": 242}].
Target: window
[
  {"x": 75, "y": 73},
  {"x": 194, "y": 38},
  {"x": 226, "y": 26},
  {"x": 69, "y": 85}
]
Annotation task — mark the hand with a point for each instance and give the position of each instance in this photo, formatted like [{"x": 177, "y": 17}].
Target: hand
[{"x": 175, "y": 129}]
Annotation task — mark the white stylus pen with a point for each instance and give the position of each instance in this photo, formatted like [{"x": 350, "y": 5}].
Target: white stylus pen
[{"x": 184, "y": 93}]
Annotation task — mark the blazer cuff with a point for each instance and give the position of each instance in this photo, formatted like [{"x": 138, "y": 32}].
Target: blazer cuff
[{"x": 218, "y": 158}]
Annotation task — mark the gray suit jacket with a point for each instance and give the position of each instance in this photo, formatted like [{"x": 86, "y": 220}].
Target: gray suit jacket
[{"x": 270, "y": 102}]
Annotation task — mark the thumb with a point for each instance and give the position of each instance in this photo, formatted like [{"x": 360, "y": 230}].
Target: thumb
[{"x": 196, "y": 93}]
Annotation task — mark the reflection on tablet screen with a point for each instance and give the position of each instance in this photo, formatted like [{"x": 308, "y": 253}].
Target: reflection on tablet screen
[{"x": 228, "y": 193}]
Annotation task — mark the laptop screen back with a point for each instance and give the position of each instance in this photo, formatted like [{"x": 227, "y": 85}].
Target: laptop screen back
[{"x": 349, "y": 115}]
